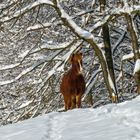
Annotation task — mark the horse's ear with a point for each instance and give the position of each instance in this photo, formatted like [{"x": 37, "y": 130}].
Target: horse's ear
[{"x": 71, "y": 58}]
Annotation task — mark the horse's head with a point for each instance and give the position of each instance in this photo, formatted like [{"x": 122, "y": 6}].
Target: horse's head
[{"x": 76, "y": 61}]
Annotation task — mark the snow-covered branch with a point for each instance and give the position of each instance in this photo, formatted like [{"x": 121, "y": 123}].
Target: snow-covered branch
[
  {"x": 54, "y": 47},
  {"x": 128, "y": 57},
  {"x": 29, "y": 69},
  {"x": 119, "y": 41},
  {"x": 7, "y": 67},
  {"x": 39, "y": 26},
  {"x": 114, "y": 13},
  {"x": 129, "y": 9},
  {"x": 26, "y": 9},
  {"x": 66, "y": 18},
  {"x": 32, "y": 51},
  {"x": 83, "y": 13},
  {"x": 91, "y": 82},
  {"x": 24, "y": 72}
]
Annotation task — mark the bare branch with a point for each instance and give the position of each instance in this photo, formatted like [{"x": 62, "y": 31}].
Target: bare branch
[{"x": 26, "y": 9}]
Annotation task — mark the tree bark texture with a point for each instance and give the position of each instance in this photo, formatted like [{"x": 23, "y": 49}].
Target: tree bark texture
[{"x": 108, "y": 54}]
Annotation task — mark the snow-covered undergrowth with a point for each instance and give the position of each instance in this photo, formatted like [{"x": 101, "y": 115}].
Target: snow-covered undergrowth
[{"x": 110, "y": 122}]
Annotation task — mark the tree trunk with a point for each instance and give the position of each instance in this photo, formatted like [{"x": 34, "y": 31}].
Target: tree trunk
[
  {"x": 108, "y": 52},
  {"x": 130, "y": 26},
  {"x": 108, "y": 55},
  {"x": 133, "y": 35}
]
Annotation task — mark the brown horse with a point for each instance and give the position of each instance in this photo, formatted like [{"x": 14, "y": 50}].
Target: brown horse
[{"x": 73, "y": 83}]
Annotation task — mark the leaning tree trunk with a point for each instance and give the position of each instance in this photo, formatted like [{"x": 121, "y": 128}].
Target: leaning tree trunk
[
  {"x": 108, "y": 52},
  {"x": 134, "y": 38},
  {"x": 108, "y": 55}
]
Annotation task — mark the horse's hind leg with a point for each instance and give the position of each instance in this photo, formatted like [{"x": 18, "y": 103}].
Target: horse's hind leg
[
  {"x": 67, "y": 101},
  {"x": 78, "y": 101},
  {"x": 73, "y": 102}
]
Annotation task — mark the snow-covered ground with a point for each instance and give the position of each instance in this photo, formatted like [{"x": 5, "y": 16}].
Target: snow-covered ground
[{"x": 110, "y": 122}]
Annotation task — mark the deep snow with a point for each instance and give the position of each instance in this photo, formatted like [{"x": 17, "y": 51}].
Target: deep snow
[{"x": 110, "y": 122}]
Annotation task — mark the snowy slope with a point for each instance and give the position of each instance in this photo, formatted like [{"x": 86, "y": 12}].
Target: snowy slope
[{"x": 111, "y": 122}]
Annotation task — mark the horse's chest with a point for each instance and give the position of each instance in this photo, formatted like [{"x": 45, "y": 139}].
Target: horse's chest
[
  {"x": 76, "y": 84},
  {"x": 77, "y": 79}
]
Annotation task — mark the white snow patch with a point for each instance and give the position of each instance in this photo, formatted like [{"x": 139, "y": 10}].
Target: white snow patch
[
  {"x": 51, "y": 46},
  {"x": 127, "y": 56},
  {"x": 110, "y": 122},
  {"x": 137, "y": 66}
]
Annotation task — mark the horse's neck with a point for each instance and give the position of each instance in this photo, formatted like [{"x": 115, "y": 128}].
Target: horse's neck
[{"x": 75, "y": 69}]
